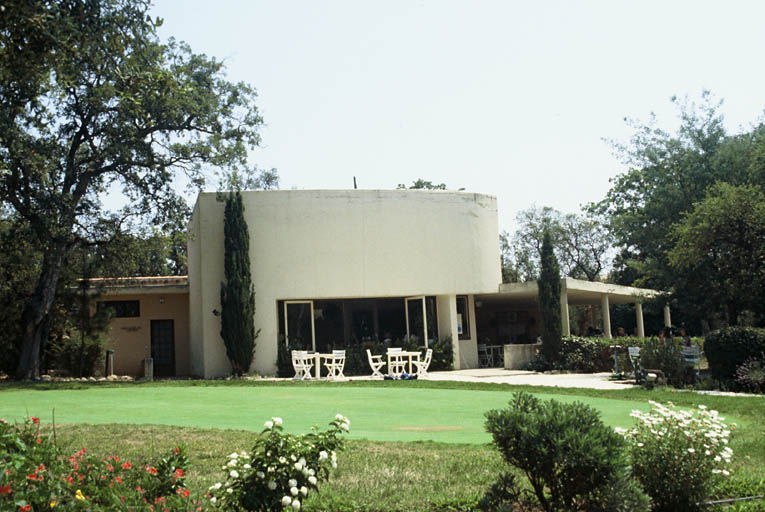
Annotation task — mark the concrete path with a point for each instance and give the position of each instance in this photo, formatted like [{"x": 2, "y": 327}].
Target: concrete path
[{"x": 564, "y": 380}]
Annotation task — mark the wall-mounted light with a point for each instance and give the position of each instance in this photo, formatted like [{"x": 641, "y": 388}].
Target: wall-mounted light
[
  {"x": 216, "y": 312},
  {"x": 161, "y": 300}
]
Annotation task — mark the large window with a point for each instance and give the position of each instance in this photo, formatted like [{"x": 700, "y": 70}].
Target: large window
[
  {"x": 463, "y": 317},
  {"x": 122, "y": 308}
]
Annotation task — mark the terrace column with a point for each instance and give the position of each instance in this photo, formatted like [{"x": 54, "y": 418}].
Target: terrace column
[
  {"x": 639, "y": 319},
  {"x": 606, "y": 315},
  {"x": 447, "y": 323},
  {"x": 667, "y": 318},
  {"x": 565, "y": 327}
]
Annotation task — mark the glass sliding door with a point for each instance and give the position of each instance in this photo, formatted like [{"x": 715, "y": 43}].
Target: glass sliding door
[
  {"x": 299, "y": 325},
  {"x": 416, "y": 319}
]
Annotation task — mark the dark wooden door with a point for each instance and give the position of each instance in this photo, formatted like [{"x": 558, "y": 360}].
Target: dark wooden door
[{"x": 163, "y": 348}]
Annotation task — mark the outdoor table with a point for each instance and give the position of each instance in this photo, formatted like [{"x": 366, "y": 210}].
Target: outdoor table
[
  {"x": 317, "y": 365},
  {"x": 409, "y": 355}
]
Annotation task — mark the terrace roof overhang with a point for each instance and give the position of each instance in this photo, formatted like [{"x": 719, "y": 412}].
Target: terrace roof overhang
[{"x": 139, "y": 285}]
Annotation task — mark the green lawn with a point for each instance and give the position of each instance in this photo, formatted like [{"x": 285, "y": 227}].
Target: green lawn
[
  {"x": 376, "y": 413},
  {"x": 416, "y": 446}
]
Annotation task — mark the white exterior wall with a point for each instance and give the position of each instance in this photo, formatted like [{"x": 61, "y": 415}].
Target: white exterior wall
[{"x": 312, "y": 244}]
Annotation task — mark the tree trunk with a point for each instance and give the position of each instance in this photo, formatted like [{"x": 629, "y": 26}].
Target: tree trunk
[{"x": 36, "y": 312}]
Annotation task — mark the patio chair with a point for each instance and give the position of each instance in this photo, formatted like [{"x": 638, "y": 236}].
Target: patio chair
[
  {"x": 335, "y": 364},
  {"x": 422, "y": 366},
  {"x": 376, "y": 363},
  {"x": 396, "y": 362},
  {"x": 484, "y": 357},
  {"x": 634, "y": 356},
  {"x": 692, "y": 357},
  {"x": 302, "y": 364}
]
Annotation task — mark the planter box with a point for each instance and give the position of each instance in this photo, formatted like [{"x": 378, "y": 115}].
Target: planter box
[{"x": 518, "y": 356}]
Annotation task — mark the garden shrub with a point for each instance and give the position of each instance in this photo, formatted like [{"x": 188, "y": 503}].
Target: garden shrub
[
  {"x": 34, "y": 475},
  {"x": 68, "y": 351},
  {"x": 572, "y": 460},
  {"x": 679, "y": 456},
  {"x": 751, "y": 374},
  {"x": 728, "y": 348},
  {"x": 578, "y": 354},
  {"x": 666, "y": 356},
  {"x": 279, "y": 470}
]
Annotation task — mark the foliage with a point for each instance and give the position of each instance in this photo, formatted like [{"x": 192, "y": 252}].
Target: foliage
[
  {"x": 728, "y": 348},
  {"x": 155, "y": 252},
  {"x": 668, "y": 175},
  {"x": 723, "y": 238},
  {"x": 35, "y": 476},
  {"x": 572, "y": 460},
  {"x": 664, "y": 355},
  {"x": 91, "y": 99},
  {"x": 549, "y": 300},
  {"x": 751, "y": 374},
  {"x": 421, "y": 184},
  {"x": 279, "y": 470},
  {"x": 237, "y": 295},
  {"x": 578, "y": 354},
  {"x": 77, "y": 355},
  {"x": 679, "y": 455},
  {"x": 580, "y": 244}
]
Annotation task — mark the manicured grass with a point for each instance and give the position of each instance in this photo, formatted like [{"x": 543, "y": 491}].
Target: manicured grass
[
  {"x": 376, "y": 413},
  {"x": 438, "y": 469}
]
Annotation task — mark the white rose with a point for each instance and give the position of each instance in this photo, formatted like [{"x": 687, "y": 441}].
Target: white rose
[
  {"x": 286, "y": 500},
  {"x": 247, "y": 466},
  {"x": 277, "y": 421},
  {"x": 230, "y": 490},
  {"x": 213, "y": 499},
  {"x": 260, "y": 474},
  {"x": 304, "y": 490},
  {"x": 269, "y": 425},
  {"x": 233, "y": 455},
  {"x": 312, "y": 480},
  {"x": 271, "y": 485},
  {"x": 296, "y": 505},
  {"x": 292, "y": 482},
  {"x": 294, "y": 491},
  {"x": 217, "y": 486},
  {"x": 339, "y": 417},
  {"x": 311, "y": 472},
  {"x": 298, "y": 466},
  {"x": 334, "y": 465},
  {"x": 344, "y": 426},
  {"x": 234, "y": 473},
  {"x": 323, "y": 455}
]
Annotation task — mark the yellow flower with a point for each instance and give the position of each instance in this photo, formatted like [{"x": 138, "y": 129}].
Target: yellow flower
[
  {"x": 79, "y": 495},
  {"x": 53, "y": 503}
]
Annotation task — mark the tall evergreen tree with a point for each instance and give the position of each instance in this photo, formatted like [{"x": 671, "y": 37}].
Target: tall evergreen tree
[
  {"x": 237, "y": 296},
  {"x": 549, "y": 299}
]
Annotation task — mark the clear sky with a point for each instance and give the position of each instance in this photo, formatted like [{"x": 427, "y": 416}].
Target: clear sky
[{"x": 511, "y": 98}]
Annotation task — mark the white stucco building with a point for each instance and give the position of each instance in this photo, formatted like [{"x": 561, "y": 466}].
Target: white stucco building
[{"x": 336, "y": 268}]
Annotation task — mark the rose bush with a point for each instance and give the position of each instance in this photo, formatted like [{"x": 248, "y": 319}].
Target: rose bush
[
  {"x": 678, "y": 456},
  {"x": 34, "y": 475},
  {"x": 280, "y": 470}
]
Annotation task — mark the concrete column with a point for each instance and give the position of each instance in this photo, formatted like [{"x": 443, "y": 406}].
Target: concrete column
[
  {"x": 639, "y": 319},
  {"x": 447, "y": 323},
  {"x": 606, "y": 315},
  {"x": 565, "y": 326},
  {"x": 667, "y": 317}
]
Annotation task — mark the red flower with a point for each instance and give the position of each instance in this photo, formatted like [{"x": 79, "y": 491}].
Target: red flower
[
  {"x": 26, "y": 508},
  {"x": 151, "y": 470},
  {"x": 175, "y": 450},
  {"x": 39, "y": 440},
  {"x": 118, "y": 480},
  {"x": 31, "y": 476},
  {"x": 37, "y": 421},
  {"x": 183, "y": 492},
  {"x": 5, "y": 489},
  {"x": 178, "y": 473},
  {"x": 110, "y": 467},
  {"x": 127, "y": 465}
]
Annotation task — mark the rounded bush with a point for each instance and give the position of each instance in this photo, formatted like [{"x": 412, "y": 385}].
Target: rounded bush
[{"x": 728, "y": 348}]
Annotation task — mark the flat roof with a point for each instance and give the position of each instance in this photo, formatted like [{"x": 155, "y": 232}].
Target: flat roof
[
  {"x": 579, "y": 292},
  {"x": 136, "y": 285}
]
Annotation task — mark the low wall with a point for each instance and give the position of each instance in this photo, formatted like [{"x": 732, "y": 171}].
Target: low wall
[{"x": 518, "y": 356}]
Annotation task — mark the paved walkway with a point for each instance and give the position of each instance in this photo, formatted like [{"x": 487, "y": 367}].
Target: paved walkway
[{"x": 563, "y": 380}]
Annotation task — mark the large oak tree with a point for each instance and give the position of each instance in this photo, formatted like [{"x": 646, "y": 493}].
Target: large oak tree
[{"x": 90, "y": 100}]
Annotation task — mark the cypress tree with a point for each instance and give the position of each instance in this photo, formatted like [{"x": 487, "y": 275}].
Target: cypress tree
[
  {"x": 237, "y": 296},
  {"x": 549, "y": 300}
]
